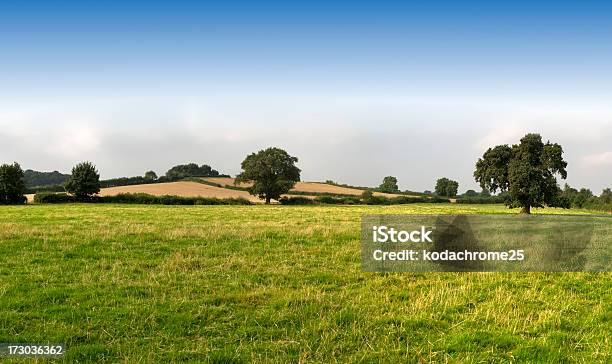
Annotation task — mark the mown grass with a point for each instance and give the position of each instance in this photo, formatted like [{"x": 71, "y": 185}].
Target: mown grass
[{"x": 133, "y": 283}]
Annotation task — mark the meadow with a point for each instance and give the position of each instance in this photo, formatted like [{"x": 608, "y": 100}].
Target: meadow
[{"x": 219, "y": 284}]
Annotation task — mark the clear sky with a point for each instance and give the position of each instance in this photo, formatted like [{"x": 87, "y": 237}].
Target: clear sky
[{"x": 356, "y": 90}]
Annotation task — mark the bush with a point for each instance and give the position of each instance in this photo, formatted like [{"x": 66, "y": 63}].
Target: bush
[
  {"x": 143, "y": 198},
  {"x": 49, "y": 188},
  {"x": 328, "y": 200},
  {"x": 481, "y": 200},
  {"x": 50, "y": 197},
  {"x": 296, "y": 201},
  {"x": 139, "y": 198}
]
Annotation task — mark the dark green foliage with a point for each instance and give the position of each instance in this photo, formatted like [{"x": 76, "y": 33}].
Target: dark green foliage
[
  {"x": 470, "y": 193},
  {"x": 403, "y": 200},
  {"x": 40, "y": 179},
  {"x": 50, "y": 197},
  {"x": 130, "y": 181},
  {"x": 582, "y": 197},
  {"x": 84, "y": 181},
  {"x": 12, "y": 186},
  {"x": 143, "y": 198},
  {"x": 526, "y": 170},
  {"x": 49, "y": 188},
  {"x": 446, "y": 187},
  {"x": 389, "y": 185},
  {"x": 367, "y": 196},
  {"x": 296, "y": 201},
  {"x": 339, "y": 200},
  {"x": 482, "y": 199},
  {"x": 139, "y": 198},
  {"x": 150, "y": 175},
  {"x": 191, "y": 170},
  {"x": 272, "y": 171},
  {"x": 585, "y": 198},
  {"x": 606, "y": 196}
]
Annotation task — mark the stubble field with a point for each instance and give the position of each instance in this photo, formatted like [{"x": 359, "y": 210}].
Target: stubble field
[{"x": 133, "y": 283}]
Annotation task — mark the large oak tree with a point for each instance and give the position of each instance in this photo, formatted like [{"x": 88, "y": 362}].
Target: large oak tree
[
  {"x": 526, "y": 170},
  {"x": 272, "y": 172}
]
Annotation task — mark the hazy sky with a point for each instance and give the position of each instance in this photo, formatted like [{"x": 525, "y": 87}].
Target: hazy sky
[{"x": 356, "y": 90}]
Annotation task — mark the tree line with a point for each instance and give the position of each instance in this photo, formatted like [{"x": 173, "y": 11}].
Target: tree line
[{"x": 524, "y": 174}]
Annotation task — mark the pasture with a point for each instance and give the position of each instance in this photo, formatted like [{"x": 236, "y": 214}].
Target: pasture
[{"x": 134, "y": 283}]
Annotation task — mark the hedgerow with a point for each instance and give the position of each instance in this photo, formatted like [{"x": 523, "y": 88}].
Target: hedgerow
[{"x": 139, "y": 198}]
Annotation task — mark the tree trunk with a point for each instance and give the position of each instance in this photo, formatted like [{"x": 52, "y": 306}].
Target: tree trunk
[
  {"x": 267, "y": 200},
  {"x": 526, "y": 210}
]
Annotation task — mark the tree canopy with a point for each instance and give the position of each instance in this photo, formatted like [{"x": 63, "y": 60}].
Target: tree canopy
[
  {"x": 272, "y": 171},
  {"x": 84, "y": 181},
  {"x": 39, "y": 179},
  {"x": 446, "y": 187},
  {"x": 389, "y": 185},
  {"x": 12, "y": 185},
  {"x": 150, "y": 175},
  {"x": 526, "y": 170},
  {"x": 191, "y": 170}
]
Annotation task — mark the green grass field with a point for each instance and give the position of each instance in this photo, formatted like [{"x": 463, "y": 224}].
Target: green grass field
[{"x": 134, "y": 283}]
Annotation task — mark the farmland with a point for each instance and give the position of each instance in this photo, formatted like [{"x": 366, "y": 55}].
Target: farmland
[
  {"x": 182, "y": 188},
  {"x": 307, "y": 187},
  {"x": 133, "y": 283},
  {"x": 195, "y": 189}
]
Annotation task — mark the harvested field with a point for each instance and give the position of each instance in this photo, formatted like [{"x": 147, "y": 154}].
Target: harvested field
[
  {"x": 186, "y": 189},
  {"x": 313, "y": 187}
]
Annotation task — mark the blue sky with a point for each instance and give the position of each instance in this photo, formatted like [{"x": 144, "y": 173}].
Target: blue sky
[{"x": 390, "y": 85}]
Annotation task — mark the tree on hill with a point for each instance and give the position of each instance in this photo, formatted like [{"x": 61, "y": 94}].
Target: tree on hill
[
  {"x": 471, "y": 193},
  {"x": 84, "y": 181},
  {"x": 40, "y": 179},
  {"x": 526, "y": 170},
  {"x": 446, "y": 187},
  {"x": 389, "y": 185},
  {"x": 272, "y": 171},
  {"x": 191, "y": 170},
  {"x": 12, "y": 185},
  {"x": 150, "y": 175},
  {"x": 366, "y": 196}
]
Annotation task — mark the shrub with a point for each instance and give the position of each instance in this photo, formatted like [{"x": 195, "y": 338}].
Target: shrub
[
  {"x": 296, "y": 201},
  {"x": 481, "y": 200},
  {"x": 49, "y": 188},
  {"x": 328, "y": 200},
  {"x": 50, "y": 197},
  {"x": 139, "y": 198}
]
